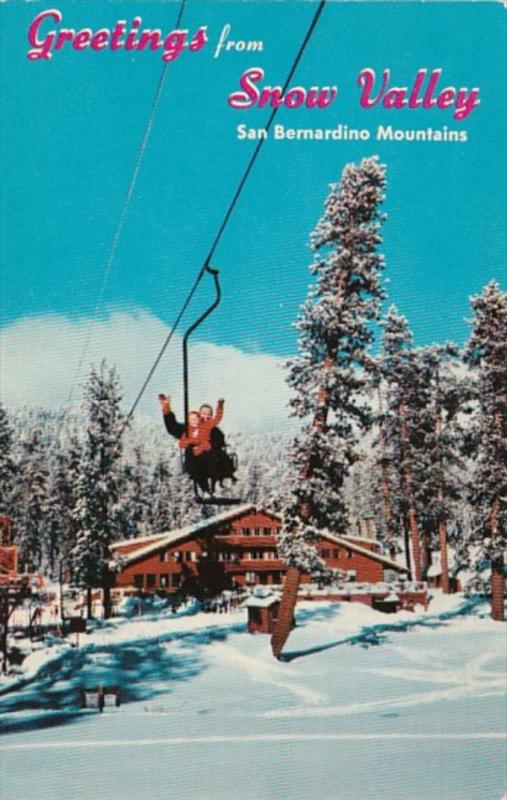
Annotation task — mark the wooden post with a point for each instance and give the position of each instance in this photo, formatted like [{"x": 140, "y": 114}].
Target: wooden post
[
  {"x": 497, "y": 572},
  {"x": 284, "y": 623}
]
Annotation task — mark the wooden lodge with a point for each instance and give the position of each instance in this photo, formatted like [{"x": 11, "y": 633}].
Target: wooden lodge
[{"x": 241, "y": 544}]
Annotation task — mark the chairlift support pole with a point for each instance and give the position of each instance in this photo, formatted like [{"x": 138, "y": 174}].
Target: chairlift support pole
[{"x": 190, "y": 330}]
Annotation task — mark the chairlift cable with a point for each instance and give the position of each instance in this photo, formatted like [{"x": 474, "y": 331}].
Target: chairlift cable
[
  {"x": 207, "y": 262},
  {"x": 125, "y": 208}
]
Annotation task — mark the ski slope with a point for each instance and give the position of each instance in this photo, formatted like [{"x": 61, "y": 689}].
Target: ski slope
[{"x": 369, "y": 705}]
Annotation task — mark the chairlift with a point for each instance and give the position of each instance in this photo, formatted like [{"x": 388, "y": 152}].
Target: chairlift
[{"x": 218, "y": 464}]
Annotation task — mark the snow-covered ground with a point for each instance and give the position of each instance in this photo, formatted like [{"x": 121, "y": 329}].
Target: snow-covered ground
[{"x": 367, "y": 705}]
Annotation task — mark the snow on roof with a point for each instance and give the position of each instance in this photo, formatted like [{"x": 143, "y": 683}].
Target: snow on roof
[
  {"x": 138, "y": 540},
  {"x": 171, "y": 537},
  {"x": 361, "y": 538},
  {"x": 261, "y": 602}
]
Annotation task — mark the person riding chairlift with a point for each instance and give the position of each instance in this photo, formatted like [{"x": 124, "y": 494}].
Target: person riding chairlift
[{"x": 206, "y": 461}]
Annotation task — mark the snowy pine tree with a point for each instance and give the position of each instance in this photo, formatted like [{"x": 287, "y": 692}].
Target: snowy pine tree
[
  {"x": 486, "y": 355},
  {"x": 440, "y": 467},
  {"x": 31, "y": 519},
  {"x": 97, "y": 511},
  {"x": 329, "y": 375},
  {"x": 405, "y": 399},
  {"x": 7, "y": 465}
]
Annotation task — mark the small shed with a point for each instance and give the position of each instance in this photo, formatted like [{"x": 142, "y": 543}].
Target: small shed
[{"x": 262, "y": 612}]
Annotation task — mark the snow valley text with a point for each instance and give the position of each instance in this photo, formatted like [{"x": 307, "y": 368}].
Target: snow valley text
[{"x": 426, "y": 89}]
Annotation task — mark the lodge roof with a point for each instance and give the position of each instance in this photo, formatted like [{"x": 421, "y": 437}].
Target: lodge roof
[
  {"x": 164, "y": 539},
  {"x": 363, "y": 551},
  {"x": 159, "y": 541}
]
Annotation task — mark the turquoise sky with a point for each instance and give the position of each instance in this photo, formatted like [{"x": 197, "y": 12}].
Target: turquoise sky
[{"x": 71, "y": 128}]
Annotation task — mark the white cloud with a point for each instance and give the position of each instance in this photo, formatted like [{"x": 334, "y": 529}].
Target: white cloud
[{"x": 40, "y": 355}]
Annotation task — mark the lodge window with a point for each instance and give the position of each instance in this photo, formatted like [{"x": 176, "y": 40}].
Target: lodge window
[
  {"x": 268, "y": 555},
  {"x": 257, "y": 532},
  {"x": 176, "y": 556},
  {"x": 139, "y": 581},
  {"x": 176, "y": 580},
  {"x": 151, "y": 581},
  {"x": 189, "y": 556},
  {"x": 246, "y": 531},
  {"x": 349, "y": 553},
  {"x": 165, "y": 580},
  {"x": 336, "y": 553},
  {"x": 164, "y": 556},
  {"x": 250, "y": 577},
  {"x": 324, "y": 553}
]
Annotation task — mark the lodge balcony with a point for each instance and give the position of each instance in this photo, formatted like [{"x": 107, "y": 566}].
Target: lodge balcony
[
  {"x": 237, "y": 540},
  {"x": 255, "y": 565}
]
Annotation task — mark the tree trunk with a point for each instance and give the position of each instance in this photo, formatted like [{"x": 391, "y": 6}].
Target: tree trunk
[
  {"x": 425, "y": 552},
  {"x": 497, "y": 590},
  {"x": 444, "y": 564},
  {"x": 89, "y": 611},
  {"x": 406, "y": 541},
  {"x": 442, "y": 525},
  {"x": 286, "y": 613},
  {"x": 497, "y": 572},
  {"x": 107, "y": 599},
  {"x": 386, "y": 489},
  {"x": 412, "y": 521},
  {"x": 292, "y": 580}
]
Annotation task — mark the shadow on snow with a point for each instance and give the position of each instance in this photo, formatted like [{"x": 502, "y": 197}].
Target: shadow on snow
[
  {"x": 143, "y": 669},
  {"x": 372, "y": 635}
]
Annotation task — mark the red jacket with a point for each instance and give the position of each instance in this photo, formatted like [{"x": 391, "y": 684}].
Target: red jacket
[{"x": 198, "y": 437}]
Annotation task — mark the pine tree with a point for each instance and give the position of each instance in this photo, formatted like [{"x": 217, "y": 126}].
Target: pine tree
[
  {"x": 486, "y": 355},
  {"x": 136, "y": 501},
  {"x": 404, "y": 393},
  {"x": 440, "y": 465},
  {"x": 97, "y": 511},
  {"x": 161, "y": 490},
  {"x": 61, "y": 531},
  {"x": 329, "y": 375},
  {"x": 7, "y": 465},
  {"x": 31, "y": 522}
]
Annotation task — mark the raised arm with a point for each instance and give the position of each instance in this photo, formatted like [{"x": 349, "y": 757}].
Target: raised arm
[
  {"x": 173, "y": 427},
  {"x": 219, "y": 413}
]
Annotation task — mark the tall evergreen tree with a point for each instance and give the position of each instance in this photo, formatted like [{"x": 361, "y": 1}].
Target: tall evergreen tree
[
  {"x": 328, "y": 377},
  {"x": 161, "y": 491},
  {"x": 136, "y": 499},
  {"x": 486, "y": 355},
  {"x": 440, "y": 467},
  {"x": 61, "y": 531},
  {"x": 98, "y": 511},
  {"x": 7, "y": 465},
  {"x": 402, "y": 425},
  {"x": 31, "y": 522}
]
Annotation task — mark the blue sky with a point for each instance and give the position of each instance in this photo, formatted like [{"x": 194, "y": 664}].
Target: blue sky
[{"x": 71, "y": 128}]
